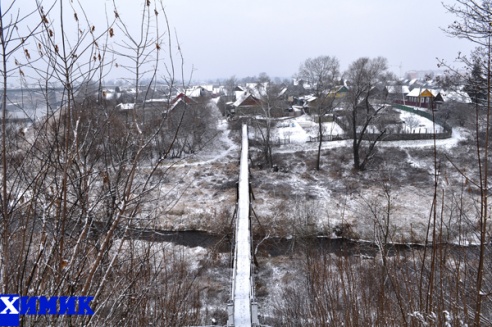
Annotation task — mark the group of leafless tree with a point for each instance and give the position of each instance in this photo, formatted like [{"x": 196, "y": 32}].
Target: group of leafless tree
[
  {"x": 436, "y": 283},
  {"x": 76, "y": 184},
  {"x": 362, "y": 103}
]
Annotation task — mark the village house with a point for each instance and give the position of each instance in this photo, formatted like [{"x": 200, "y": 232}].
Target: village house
[
  {"x": 397, "y": 92},
  {"x": 245, "y": 104}
]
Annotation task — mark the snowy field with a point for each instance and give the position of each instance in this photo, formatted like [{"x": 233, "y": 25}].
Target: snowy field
[{"x": 201, "y": 190}]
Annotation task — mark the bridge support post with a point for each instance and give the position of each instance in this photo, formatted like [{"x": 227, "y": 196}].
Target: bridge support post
[
  {"x": 254, "y": 313},
  {"x": 230, "y": 314}
]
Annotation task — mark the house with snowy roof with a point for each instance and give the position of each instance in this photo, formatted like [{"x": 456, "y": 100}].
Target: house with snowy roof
[
  {"x": 155, "y": 107},
  {"x": 183, "y": 97},
  {"x": 245, "y": 104},
  {"x": 424, "y": 98},
  {"x": 198, "y": 93},
  {"x": 258, "y": 90},
  {"x": 339, "y": 91},
  {"x": 312, "y": 103},
  {"x": 309, "y": 103},
  {"x": 456, "y": 96},
  {"x": 251, "y": 103},
  {"x": 397, "y": 91}
]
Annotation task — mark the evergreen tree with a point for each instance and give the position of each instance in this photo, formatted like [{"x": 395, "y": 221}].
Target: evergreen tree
[{"x": 476, "y": 84}]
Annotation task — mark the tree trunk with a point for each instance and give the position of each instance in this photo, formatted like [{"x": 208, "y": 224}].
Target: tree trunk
[
  {"x": 356, "y": 155},
  {"x": 320, "y": 133},
  {"x": 355, "y": 147}
]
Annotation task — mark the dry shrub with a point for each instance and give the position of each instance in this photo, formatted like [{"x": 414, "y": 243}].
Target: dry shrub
[
  {"x": 345, "y": 230},
  {"x": 400, "y": 287}
]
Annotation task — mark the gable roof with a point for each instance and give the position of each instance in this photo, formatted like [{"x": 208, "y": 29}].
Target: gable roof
[
  {"x": 456, "y": 96},
  {"x": 184, "y": 97},
  {"x": 423, "y": 92},
  {"x": 177, "y": 103},
  {"x": 246, "y": 99},
  {"x": 208, "y": 87},
  {"x": 428, "y": 93},
  {"x": 257, "y": 89},
  {"x": 196, "y": 92},
  {"x": 398, "y": 89},
  {"x": 337, "y": 91}
]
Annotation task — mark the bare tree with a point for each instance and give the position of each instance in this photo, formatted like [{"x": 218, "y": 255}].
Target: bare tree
[
  {"x": 77, "y": 185},
  {"x": 473, "y": 23},
  {"x": 322, "y": 73},
  {"x": 263, "y": 78},
  {"x": 411, "y": 122},
  {"x": 364, "y": 104},
  {"x": 190, "y": 125},
  {"x": 229, "y": 95},
  {"x": 14, "y": 40},
  {"x": 271, "y": 106},
  {"x": 230, "y": 84}
]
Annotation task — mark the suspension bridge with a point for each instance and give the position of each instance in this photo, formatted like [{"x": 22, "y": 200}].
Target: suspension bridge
[{"x": 242, "y": 308}]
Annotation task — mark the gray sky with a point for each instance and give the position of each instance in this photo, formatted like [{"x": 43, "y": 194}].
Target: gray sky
[
  {"x": 222, "y": 38},
  {"x": 243, "y": 38}
]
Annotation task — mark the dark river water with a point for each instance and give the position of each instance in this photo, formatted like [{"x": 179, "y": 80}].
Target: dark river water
[{"x": 277, "y": 246}]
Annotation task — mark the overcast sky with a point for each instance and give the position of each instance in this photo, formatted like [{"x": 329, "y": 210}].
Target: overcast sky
[
  {"x": 244, "y": 38},
  {"x": 222, "y": 38}
]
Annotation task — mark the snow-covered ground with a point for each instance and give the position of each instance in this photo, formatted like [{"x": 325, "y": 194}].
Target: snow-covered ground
[
  {"x": 418, "y": 124},
  {"x": 457, "y": 135},
  {"x": 298, "y": 130},
  {"x": 201, "y": 190},
  {"x": 201, "y": 194},
  {"x": 218, "y": 148}
]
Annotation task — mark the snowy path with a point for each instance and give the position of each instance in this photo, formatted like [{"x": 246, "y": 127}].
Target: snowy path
[
  {"x": 219, "y": 149},
  {"x": 231, "y": 146}
]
